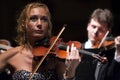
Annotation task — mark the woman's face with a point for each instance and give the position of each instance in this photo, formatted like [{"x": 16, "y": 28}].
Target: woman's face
[
  {"x": 37, "y": 26},
  {"x": 96, "y": 30}
]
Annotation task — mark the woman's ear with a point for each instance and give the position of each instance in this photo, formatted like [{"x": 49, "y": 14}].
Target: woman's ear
[
  {"x": 23, "y": 27},
  {"x": 23, "y": 24}
]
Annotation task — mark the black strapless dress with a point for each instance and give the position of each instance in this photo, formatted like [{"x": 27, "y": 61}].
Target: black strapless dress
[
  {"x": 49, "y": 74},
  {"x": 25, "y": 75}
]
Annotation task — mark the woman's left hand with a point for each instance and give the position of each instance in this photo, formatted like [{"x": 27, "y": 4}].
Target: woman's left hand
[
  {"x": 117, "y": 45},
  {"x": 72, "y": 60}
]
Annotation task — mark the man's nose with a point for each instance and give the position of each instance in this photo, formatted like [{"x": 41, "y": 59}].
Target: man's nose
[{"x": 96, "y": 31}]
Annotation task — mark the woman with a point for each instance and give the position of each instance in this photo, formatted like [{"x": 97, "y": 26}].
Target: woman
[{"x": 34, "y": 29}]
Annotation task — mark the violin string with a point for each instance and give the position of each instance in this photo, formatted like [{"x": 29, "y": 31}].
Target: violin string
[
  {"x": 47, "y": 52},
  {"x": 103, "y": 39}
]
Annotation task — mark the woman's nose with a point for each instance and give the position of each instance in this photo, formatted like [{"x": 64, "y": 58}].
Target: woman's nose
[{"x": 39, "y": 22}]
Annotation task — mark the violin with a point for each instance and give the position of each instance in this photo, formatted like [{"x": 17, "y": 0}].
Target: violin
[
  {"x": 60, "y": 53},
  {"x": 106, "y": 45},
  {"x": 59, "y": 50}
]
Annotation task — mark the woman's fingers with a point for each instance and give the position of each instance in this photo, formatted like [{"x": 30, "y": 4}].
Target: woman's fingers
[
  {"x": 73, "y": 57},
  {"x": 117, "y": 40},
  {"x": 72, "y": 53},
  {"x": 117, "y": 45},
  {"x": 72, "y": 60}
]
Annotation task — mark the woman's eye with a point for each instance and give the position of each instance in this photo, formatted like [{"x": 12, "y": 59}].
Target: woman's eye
[
  {"x": 44, "y": 18},
  {"x": 34, "y": 18}
]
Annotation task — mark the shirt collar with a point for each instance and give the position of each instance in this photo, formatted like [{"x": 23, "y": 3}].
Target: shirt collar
[{"x": 88, "y": 44}]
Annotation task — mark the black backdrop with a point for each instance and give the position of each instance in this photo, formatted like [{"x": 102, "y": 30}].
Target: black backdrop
[{"x": 74, "y": 13}]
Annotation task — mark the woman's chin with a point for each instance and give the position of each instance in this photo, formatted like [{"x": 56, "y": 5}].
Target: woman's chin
[{"x": 39, "y": 35}]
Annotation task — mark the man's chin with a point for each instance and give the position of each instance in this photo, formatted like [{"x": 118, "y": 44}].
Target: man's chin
[{"x": 94, "y": 40}]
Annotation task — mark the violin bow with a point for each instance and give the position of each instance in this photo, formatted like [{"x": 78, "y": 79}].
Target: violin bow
[
  {"x": 102, "y": 59},
  {"x": 36, "y": 68},
  {"x": 103, "y": 39}
]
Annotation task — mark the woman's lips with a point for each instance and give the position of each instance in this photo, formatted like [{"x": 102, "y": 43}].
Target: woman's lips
[{"x": 39, "y": 31}]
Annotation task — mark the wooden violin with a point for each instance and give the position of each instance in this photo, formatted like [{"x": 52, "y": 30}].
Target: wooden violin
[{"x": 60, "y": 53}]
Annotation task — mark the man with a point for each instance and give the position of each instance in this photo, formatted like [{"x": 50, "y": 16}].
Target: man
[{"x": 100, "y": 23}]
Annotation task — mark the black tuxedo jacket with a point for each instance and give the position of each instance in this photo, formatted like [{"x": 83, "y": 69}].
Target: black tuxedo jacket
[
  {"x": 109, "y": 70},
  {"x": 88, "y": 67}
]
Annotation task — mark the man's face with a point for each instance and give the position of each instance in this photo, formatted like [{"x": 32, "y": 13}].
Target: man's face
[{"x": 96, "y": 30}]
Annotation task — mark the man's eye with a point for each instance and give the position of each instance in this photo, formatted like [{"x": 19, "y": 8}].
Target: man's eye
[
  {"x": 33, "y": 18},
  {"x": 93, "y": 26}
]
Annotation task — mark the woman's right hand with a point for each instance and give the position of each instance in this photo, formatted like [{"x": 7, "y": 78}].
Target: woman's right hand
[{"x": 7, "y": 55}]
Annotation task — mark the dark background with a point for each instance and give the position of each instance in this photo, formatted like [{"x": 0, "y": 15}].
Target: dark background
[{"x": 74, "y": 13}]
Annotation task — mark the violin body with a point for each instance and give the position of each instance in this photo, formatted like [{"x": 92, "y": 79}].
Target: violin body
[
  {"x": 106, "y": 45},
  {"x": 41, "y": 50}
]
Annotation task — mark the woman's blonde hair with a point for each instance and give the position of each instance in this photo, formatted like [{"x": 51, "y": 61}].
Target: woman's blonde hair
[{"x": 24, "y": 17}]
